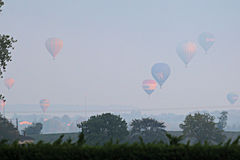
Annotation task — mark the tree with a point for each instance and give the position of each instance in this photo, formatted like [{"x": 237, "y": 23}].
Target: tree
[
  {"x": 35, "y": 128},
  {"x": 149, "y": 129},
  {"x": 8, "y": 130},
  {"x": 222, "y": 123},
  {"x": 1, "y": 4},
  {"x": 101, "y": 128},
  {"x": 6, "y": 45},
  {"x": 54, "y": 125},
  {"x": 201, "y": 127}
]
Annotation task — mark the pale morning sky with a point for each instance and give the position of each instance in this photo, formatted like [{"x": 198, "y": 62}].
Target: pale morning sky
[{"x": 110, "y": 46}]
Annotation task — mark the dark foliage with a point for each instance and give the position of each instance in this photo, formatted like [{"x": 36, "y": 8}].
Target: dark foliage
[
  {"x": 6, "y": 44},
  {"x": 174, "y": 140},
  {"x": 201, "y": 128},
  {"x": 222, "y": 120},
  {"x": 149, "y": 129},
  {"x": 35, "y": 128},
  {"x": 8, "y": 130},
  {"x": 1, "y": 4},
  {"x": 101, "y": 128},
  {"x": 109, "y": 151}
]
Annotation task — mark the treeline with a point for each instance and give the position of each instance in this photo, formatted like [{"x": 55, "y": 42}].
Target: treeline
[
  {"x": 112, "y": 151},
  {"x": 99, "y": 129},
  {"x": 8, "y": 130},
  {"x": 199, "y": 127}
]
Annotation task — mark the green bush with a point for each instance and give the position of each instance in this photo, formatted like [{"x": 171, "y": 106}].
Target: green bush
[{"x": 138, "y": 151}]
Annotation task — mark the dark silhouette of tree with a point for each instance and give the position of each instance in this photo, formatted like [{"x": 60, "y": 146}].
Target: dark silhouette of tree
[
  {"x": 101, "y": 128},
  {"x": 222, "y": 123},
  {"x": 8, "y": 130},
  {"x": 1, "y": 4},
  {"x": 35, "y": 128},
  {"x": 6, "y": 45},
  {"x": 201, "y": 127},
  {"x": 149, "y": 129}
]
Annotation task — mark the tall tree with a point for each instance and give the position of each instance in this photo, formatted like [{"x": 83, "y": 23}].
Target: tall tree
[
  {"x": 6, "y": 45},
  {"x": 101, "y": 128},
  {"x": 8, "y": 130},
  {"x": 1, "y": 4},
  {"x": 201, "y": 127},
  {"x": 222, "y": 123},
  {"x": 35, "y": 128},
  {"x": 149, "y": 129}
]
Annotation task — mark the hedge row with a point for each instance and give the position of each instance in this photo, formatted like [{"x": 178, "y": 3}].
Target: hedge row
[{"x": 110, "y": 151}]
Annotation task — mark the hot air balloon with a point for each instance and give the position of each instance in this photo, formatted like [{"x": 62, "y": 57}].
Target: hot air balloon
[
  {"x": 44, "y": 103},
  {"x": 149, "y": 86},
  {"x": 54, "y": 45},
  {"x": 160, "y": 72},
  {"x": 232, "y": 97},
  {"x": 2, "y": 104},
  {"x": 9, "y": 82},
  {"x": 25, "y": 123},
  {"x": 206, "y": 40},
  {"x": 186, "y": 51}
]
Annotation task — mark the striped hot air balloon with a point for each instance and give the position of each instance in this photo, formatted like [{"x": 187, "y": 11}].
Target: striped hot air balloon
[
  {"x": 186, "y": 51},
  {"x": 2, "y": 104},
  {"x": 44, "y": 103},
  {"x": 149, "y": 86},
  {"x": 25, "y": 123},
  {"x": 54, "y": 45},
  {"x": 9, "y": 83}
]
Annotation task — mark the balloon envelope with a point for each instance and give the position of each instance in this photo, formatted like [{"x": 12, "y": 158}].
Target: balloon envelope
[
  {"x": 186, "y": 51},
  {"x": 206, "y": 40},
  {"x": 2, "y": 104},
  {"x": 9, "y": 83},
  {"x": 25, "y": 123},
  {"x": 160, "y": 72},
  {"x": 149, "y": 86},
  {"x": 54, "y": 45},
  {"x": 232, "y": 97},
  {"x": 44, "y": 103}
]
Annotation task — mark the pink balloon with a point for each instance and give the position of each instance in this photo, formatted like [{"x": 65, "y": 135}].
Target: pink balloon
[
  {"x": 2, "y": 104},
  {"x": 54, "y": 45},
  {"x": 9, "y": 83}
]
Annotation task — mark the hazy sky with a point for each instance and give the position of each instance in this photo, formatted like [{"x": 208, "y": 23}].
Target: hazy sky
[{"x": 110, "y": 47}]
